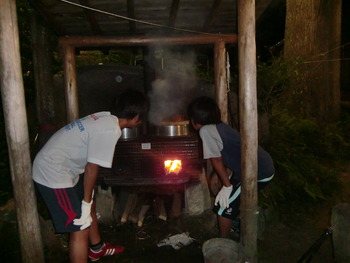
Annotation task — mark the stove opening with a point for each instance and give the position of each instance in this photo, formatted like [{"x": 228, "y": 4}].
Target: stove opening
[{"x": 172, "y": 166}]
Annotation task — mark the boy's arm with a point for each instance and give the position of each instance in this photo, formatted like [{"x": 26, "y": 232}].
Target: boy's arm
[
  {"x": 90, "y": 176},
  {"x": 222, "y": 198},
  {"x": 220, "y": 170}
]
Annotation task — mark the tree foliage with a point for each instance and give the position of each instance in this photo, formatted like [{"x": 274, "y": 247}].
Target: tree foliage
[{"x": 308, "y": 155}]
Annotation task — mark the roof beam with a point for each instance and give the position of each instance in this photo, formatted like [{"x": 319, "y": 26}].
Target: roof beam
[
  {"x": 173, "y": 12},
  {"x": 212, "y": 15},
  {"x": 131, "y": 14},
  {"x": 91, "y": 18},
  {"x": 260, "y": 8},
  {"x": 146, "y": 40},
  {"x": 45, "y": 13}
]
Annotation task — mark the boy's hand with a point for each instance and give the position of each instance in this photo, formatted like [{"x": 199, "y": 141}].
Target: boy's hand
[
  {"x": 85, "y": 219},
  {"x": 223, "y": 196}
]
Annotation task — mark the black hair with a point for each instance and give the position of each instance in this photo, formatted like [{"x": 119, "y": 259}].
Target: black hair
[
  {"x": 130, "y": 104},
  {"x": 204, "y": 110}
]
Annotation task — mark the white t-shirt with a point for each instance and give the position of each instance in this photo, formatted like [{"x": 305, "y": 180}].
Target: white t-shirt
[
  {"x": 89, "y": 139},
  {"x": 212, "y": 142}
]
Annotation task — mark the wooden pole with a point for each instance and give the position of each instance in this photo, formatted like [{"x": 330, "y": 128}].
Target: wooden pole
[
  {"x": 44, "y": 84},
  {"x": 221, "y": 78},
  {"x": 70, "y": 77},
  {"x": 42, "y": 62},
  {"x": 248, "y": 126},
  {"x": 12, "y": 93}
]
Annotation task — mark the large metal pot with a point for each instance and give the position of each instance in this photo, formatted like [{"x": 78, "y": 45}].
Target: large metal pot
[
  {"x": 130, "y": 133},
  {"x": 170, "y": 129}
]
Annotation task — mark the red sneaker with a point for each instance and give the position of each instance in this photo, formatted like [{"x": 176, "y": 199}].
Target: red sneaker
[{"x": 106, "y": 250}]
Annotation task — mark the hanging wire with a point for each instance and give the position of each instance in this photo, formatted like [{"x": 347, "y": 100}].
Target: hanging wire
[
  {"x": 326, "y": 60},
  {"x": 329, "y": 51},
  {"x": 326, "y": 52}
]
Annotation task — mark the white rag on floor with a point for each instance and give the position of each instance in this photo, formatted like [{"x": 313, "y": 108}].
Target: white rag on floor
[{"x": 176, "y": 241}]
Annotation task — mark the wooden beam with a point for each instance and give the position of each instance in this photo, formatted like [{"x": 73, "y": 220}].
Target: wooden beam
[
  {"x": 248, "y": 127},
  {"x": 221, "y": 78},
  {"x": 173, "y": 12},
  {"x": 131, "y": 14},
  {"x": 70, "y": 78},
  {"x": 47, "y": 15},
  {"x": 261, "y": 6},
  {"x": 146, "y": 40},
  {"x": 214, "y": 10},
  {"x": 16, "y": 126},
  {"x": 91, "y": 18}
]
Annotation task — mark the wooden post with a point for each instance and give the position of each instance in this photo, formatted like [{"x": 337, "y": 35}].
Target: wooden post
[
  {"x": 12, "y": 92},
  {"x": 248, "y": 126},
  {"x": 42, "y": 63},
  {"x": 44, "y": 84},
  {"x": 221, "y": 78},
  {"x": 70, "y": 78}
]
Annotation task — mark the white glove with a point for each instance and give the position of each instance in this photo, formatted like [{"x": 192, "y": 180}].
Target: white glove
[
  {"x": 223, "y": 196},
  {"x": 85, "y": 219}
]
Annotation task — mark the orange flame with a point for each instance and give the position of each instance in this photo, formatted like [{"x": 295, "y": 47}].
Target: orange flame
[{"x": 172, "y": 166}]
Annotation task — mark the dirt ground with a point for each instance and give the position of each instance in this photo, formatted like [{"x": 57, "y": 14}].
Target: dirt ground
[{"x": 278, "y": 243}]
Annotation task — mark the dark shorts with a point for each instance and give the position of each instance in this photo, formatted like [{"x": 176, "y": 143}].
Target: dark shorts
[
  {"x": 235, "y": 199},
  {"x": 64, "y": 205}
]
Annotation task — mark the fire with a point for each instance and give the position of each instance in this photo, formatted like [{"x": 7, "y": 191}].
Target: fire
[
  {"x": 172, "y": 166},
  {"x": 178, "y": 117}
]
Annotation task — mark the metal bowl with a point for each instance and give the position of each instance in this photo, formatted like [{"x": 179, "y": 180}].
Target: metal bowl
[
  {"x": 130, "y": 133},
  {"x": 172, "y": 129}
]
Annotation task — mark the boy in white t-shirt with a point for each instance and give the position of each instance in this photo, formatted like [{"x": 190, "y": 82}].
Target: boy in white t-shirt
[{"x": 80, "y": 148}]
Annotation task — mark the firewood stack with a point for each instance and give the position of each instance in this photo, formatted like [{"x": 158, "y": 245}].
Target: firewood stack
[{"x": 138, "y": 204}]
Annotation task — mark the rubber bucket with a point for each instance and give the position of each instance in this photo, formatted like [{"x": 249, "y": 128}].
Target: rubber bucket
[{"x": 221, "y": 250}]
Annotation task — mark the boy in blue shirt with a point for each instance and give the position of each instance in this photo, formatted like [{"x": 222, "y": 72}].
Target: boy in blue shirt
[{"x": 222, "y": 146}]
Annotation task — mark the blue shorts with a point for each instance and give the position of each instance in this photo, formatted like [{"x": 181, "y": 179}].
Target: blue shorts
[
  {"x": 64, "y": 205},
  {"x": 235, "y": 199}
]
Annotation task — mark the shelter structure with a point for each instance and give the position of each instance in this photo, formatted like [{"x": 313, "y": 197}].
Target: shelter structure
[{"x": 104, "y": 25}]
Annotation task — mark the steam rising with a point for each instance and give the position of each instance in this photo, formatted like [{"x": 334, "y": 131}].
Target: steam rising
[{"x": 174, "y": 84}]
